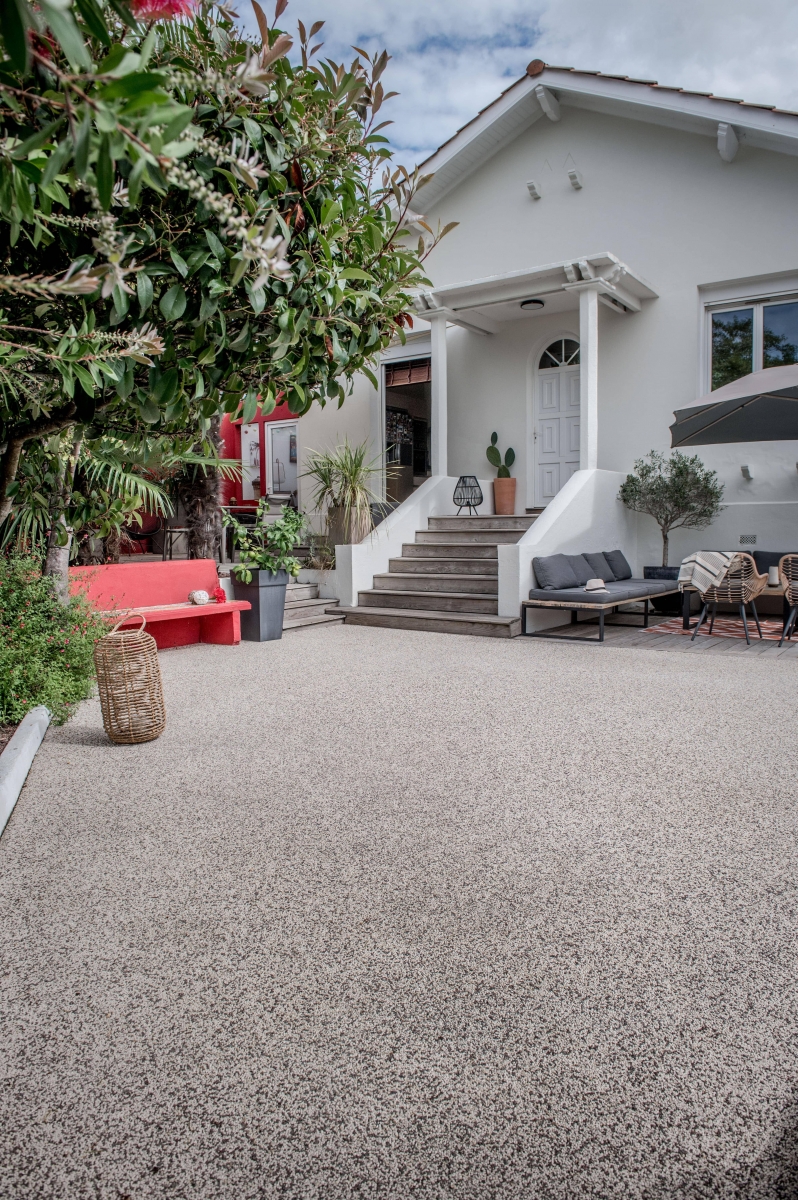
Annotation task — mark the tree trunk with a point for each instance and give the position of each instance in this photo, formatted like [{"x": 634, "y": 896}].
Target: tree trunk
[
  {"x": 9, "y": 465},
  {"x": 111, "y": 546},
  {"x": 57, "y": 561},
  {"x": 199, "y": 490},
  {"x": 665, "y": 547}
]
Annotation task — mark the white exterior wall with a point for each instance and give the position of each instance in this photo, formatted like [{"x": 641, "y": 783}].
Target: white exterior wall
[{"x": 664, "y": 202}]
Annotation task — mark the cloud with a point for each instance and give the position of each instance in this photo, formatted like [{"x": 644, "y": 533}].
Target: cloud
[{"x": 452, "y": 57}]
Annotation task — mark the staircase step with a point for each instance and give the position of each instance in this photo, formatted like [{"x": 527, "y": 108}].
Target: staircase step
[
  {"x": 306, "y": 608},
  {"x": 521, "y": 523},
  {"x": 331, "y": 617},
  {"x": 431, "y": 601},
  {"x": 470, "y": 537},
  {"x": 301, "y": 591},
  {"x": 447, "y": 550},
  {"x": 394, "y": 582},
  {"x": 434, "y": 622},
  {"x": 444, "y": 566}
]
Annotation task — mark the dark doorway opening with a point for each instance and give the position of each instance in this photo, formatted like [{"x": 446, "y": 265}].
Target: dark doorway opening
[{"x": 408, "y": 409}]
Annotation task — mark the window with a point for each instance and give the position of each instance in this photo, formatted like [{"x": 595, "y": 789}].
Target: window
[
  {"x": 562, "y": 353},
  {"x": 750, "y": 337}
]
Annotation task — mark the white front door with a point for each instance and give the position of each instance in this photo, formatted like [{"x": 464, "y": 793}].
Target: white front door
[{"x": 556, "y": 430}]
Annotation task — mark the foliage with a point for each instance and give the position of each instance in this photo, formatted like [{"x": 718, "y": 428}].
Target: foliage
[
  {"x": 188, "y": 221},
  {"x": 495, "y": 458},
  {"x": 267, "y": 547},
  {"x": 45, "y": 647},
  {"x": 342, "y": 481},
  {"x": 678, "y": 492}
]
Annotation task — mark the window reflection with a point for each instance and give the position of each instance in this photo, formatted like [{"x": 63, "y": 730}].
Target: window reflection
[
  {"x": 780, "y": 334},
  {"x": 732, "y": 345}
]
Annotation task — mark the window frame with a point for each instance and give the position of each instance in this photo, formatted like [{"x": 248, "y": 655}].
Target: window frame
[{"x": 756, "y": 294}]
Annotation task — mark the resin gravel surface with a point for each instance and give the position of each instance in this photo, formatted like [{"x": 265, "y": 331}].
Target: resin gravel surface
[{"x": 396, "y": 914}]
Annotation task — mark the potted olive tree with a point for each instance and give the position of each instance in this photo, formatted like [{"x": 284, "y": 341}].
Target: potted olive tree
[
  {"x": 267, "y": 563},
  {"x": 679, "y": 493},
  {"x": 503, "y": 484}
]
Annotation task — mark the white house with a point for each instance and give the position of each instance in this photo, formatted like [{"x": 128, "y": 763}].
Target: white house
[{"x": 621, "y": 246}]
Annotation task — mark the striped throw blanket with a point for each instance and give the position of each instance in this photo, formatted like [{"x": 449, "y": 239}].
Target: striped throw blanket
[{"x": 704, "y": 569}]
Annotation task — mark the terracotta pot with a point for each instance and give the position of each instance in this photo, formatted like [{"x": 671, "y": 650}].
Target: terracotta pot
[{"x": 504, "y": 497}]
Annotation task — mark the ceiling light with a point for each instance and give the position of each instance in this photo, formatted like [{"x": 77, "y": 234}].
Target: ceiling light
[{"x": 532, "y": 303}]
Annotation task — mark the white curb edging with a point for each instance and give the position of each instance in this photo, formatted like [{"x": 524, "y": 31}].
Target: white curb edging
[{"x": 16, "y": 759}]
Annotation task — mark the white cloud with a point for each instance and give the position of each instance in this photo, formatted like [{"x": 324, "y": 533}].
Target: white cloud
[{"x": 452, "y": 57}]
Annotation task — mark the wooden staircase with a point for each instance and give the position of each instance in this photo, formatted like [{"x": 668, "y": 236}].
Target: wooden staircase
[
  {"x": 447, "y": 581},
  {"x": 304, "y": 607}
]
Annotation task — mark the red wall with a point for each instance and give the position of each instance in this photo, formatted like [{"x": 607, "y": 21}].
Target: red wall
[{"x": 231, "y": 448}]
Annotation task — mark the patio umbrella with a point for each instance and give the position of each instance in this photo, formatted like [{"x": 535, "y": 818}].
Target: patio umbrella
[{"x": 761, "y": 407}]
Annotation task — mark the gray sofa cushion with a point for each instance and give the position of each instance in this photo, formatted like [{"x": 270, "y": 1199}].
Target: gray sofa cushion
[
  {"x": 581, "y": 568},
  {"x": 618, "y": 592},
  {"x": 618, "y": 564},
  {"x": 554, "y": 571},
  {"x": 600, "y": 567}
]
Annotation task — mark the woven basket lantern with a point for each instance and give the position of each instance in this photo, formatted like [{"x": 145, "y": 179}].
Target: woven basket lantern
[{"x": 129, "y": 682}]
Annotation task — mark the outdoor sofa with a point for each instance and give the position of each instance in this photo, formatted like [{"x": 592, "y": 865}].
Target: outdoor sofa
[{"x": 561, "y": 580}]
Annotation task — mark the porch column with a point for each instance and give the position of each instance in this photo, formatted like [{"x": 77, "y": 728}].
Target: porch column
[
  {"x": 588, "y": 377},
  {"x": 439, "y": 415}
]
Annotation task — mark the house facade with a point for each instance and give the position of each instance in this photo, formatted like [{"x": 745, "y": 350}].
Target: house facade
[{"x": 621, "y": 249}]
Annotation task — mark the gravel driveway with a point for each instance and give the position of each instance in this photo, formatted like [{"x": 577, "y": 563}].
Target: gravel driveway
[{"x": 395, "y": 914}]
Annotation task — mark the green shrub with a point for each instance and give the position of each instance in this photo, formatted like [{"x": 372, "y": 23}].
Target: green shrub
[{"x": 45, "y": 647}]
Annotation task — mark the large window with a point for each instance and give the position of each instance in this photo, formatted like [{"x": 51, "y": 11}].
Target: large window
[{"x": 750, "y": 337}]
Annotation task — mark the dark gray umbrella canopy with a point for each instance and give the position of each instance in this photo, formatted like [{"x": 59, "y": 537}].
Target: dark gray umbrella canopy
[{"x": 762, "y": 407}]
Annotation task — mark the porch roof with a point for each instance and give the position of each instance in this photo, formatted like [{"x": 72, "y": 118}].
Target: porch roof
[{"x": 482, "y": 304}]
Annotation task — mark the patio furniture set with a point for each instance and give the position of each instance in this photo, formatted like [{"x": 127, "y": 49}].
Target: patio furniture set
[{"x": 600, "y": 583}]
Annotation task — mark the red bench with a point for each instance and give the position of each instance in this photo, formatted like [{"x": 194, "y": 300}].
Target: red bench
[{"x": 160, "y": 591}]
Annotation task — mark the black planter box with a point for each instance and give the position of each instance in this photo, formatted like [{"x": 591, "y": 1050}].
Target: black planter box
[
  {"x": 266, "y": 594},
  {"x": 670, "y": 605}
]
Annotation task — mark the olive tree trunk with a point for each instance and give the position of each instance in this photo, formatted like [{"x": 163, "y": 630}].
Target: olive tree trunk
[{"x": 200, "y": 492}]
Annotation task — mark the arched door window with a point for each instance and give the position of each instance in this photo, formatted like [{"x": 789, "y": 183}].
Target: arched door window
[
  {"x": 556, "y": 418},
  {"x": 562, "y": 353}
]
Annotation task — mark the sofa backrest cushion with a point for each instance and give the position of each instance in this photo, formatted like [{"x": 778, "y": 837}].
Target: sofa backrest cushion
[
  {"x": 600, "y": 567},
  {"x": 554, "y": 571},
  {"x": 618, "y": 564},
  {"x": 143, "y": 584},
  {"x": 580, "y": 567}
]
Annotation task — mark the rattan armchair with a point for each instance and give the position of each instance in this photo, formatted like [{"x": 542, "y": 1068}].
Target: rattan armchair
[
  {"x": 788, "y": 574},
  {"x": 741, "y": 585}
]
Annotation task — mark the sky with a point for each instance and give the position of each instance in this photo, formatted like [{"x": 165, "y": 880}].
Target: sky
[{"x": 452, "y": 57}]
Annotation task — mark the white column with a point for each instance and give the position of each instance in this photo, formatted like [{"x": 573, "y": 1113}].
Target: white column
[
  {"x": 439, "y": 423},
  {"x": 588, "y": 377}
]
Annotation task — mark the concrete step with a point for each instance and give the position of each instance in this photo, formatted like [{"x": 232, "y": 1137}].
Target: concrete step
[
  {"x": 521, "y": 523},
  {"x": 394, "y": 582},
  {"x": 305, "y": 608},
  {"x": 470, "y": 537},
  {"x": 333, "y": 617},
  {"x": 444, "y": 566},
  {"x": 434, "y": 622},
  {"x": 431, "y": 601},
  {"x": 446, "y": 550}
]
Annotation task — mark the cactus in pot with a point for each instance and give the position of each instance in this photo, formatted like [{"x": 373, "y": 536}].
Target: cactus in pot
[{"x": 503, "y": 484}]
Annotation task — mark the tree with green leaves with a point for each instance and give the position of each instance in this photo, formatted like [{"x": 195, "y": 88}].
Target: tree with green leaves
[
  {"x": 678, "y": 492},
  {"x": 191, "y": 224}
]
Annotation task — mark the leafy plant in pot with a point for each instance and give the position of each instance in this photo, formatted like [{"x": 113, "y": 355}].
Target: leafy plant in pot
[
  {"x": 267, "y": 564},
  {"x": 503, "y": 484},
  {"x": 342, "y": 481},
  {"x": 679, "y": 493}
]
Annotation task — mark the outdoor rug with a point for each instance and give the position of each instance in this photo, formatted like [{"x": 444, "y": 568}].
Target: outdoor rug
[{"x": 725, "y": 627}]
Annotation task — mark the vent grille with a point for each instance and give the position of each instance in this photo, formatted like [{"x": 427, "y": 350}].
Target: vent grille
[{"x": 747, "y": 539}]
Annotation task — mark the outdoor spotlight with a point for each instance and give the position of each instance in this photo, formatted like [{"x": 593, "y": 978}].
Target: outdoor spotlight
[
  {"x": 532, "y": 304},
  {"x": 746, "y": 473}
]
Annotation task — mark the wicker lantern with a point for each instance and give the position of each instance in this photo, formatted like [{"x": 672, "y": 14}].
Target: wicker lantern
[
  {"x": 467, "y": 494},
  {"x": 129, "y": 683}
]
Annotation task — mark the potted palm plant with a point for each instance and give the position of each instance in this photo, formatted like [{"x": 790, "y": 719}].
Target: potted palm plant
[
  {"x": 342, "y": 483},
  {"x": 267, "y": 563}
]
